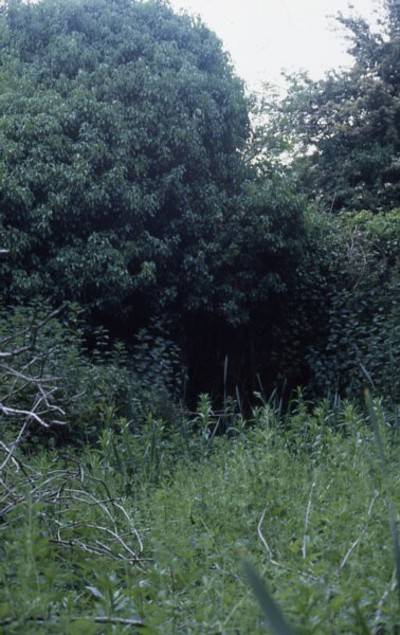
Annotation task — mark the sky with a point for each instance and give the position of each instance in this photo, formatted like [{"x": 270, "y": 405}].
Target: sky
[{"x": 266, "y": 36}]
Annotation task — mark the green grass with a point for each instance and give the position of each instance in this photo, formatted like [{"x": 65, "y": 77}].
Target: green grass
[{"x": 301, "y": 498}]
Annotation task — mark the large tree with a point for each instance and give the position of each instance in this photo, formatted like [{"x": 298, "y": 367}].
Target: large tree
[
  {"x": 124, "y": 183},
  {"x": 121, "y": 133},
  {"x": 343, "y": 132}
]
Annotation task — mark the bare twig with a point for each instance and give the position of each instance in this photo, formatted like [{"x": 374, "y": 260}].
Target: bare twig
[
  {"x": 364, "y": 529},
  {"x": 15, "y": 352},
  {"x": 15, "y": 444},
  {"x": 263, "y": 541},
  {"x": 261, "y": 535},
  {"x": 23, "y": 378},
  {"x": 32, "y": 330},
  {"x": 390, "y": 589}
]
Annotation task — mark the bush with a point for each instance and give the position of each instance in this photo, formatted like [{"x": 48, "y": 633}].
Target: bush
[
  {"x": 355, "y": 278},
  {"x": 123, "y": 124},
  {"x": 48, "y": 370}
]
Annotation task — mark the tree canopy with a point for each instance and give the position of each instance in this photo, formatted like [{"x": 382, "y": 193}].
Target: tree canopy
[
  {"x": 123, "y": 184},
  {"x": 343, "y": 132}
]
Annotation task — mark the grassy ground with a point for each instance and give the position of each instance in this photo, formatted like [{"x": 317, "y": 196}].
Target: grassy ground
[{"x": 154, "y": 529}]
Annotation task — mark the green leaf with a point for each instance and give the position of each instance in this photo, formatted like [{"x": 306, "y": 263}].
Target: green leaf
[{"x": 272, "y": 612}]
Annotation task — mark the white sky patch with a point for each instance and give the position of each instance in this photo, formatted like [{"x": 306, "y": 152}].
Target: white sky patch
[{"x": 266, "y": 36}]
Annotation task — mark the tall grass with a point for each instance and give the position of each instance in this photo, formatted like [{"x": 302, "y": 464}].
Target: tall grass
[{"x": 147, "y": 531}]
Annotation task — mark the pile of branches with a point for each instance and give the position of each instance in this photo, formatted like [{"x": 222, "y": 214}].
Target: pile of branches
[
  {"x": 32, "y": 403},
  {"x": 28, "y": 400}
]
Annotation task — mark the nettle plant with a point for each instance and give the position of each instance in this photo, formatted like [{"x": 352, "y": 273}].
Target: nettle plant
[{"x": 363, "y": 336}]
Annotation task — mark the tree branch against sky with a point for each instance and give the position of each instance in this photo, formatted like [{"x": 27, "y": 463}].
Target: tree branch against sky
[{"x": 264, "y": 36}]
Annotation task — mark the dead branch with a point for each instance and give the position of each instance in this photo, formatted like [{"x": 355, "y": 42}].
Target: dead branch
[{"x": 29, "y": 398}]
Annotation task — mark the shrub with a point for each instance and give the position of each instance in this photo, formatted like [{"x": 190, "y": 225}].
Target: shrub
[
  {"x": 361, "y": 345},
  {"x": 47, "y": 369}
]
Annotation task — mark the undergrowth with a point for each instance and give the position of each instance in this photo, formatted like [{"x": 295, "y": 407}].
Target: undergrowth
[{"x": 148, "y": 532}]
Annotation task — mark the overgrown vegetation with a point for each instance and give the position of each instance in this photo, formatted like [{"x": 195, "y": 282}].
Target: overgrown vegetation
[
  {"x": 153, "y": 527},
  {"x": 191, "y": 311}
]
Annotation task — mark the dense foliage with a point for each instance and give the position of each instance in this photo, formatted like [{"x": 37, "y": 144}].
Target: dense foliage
[
  {"x": 340, "y": 329},
  {"x": 148, "y": 532},
  {"x": 122, "y": 180},
  {"x": 336, "y": 141},
  {"x": 48, "y": 370},
  {"x": 362, "y": 346},
  {"x": 162, "y": 269},
  {"x": 343, "y": 131},
  {"x": 146, "y": 515}
]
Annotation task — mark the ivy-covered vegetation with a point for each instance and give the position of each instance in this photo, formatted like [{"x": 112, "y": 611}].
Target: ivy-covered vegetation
[{"x": 199, "y": 330}]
